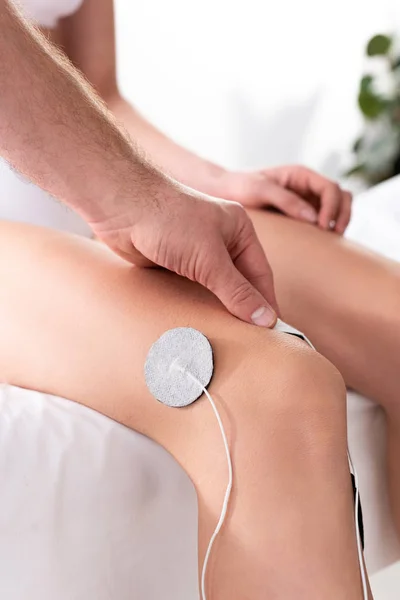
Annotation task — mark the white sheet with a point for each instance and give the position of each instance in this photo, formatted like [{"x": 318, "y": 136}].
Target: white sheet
[
  {"x": 23, "y": 201},
  {"x": 375, "y": 221},
  {"x": 89, "y": 510}
]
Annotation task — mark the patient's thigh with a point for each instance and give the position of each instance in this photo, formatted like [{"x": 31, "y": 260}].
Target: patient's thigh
[{"x": 343, "y": 296}]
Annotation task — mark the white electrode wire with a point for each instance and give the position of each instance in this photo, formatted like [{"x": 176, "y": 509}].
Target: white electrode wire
[
  {"x": 358, "y": 534},
  {"x": 228, "y": 488}
]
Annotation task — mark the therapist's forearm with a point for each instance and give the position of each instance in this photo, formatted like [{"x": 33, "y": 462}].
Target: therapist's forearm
[{"x": 54, "y": 129}]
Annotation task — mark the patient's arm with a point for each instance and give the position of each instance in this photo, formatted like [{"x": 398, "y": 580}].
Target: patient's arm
[
  {"x": 89, "y": 41},
  {"x": 77, "y": 321}
]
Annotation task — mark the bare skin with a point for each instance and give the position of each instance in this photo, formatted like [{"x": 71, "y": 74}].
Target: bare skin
[{"x": 290, "y": 532}]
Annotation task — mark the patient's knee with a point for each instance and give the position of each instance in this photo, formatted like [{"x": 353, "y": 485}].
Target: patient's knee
[
  {"x": 312, "y": 385},
  {"x": 299, "y": 402}
]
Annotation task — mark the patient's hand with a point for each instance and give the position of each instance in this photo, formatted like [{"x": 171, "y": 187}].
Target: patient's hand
[{"x": 297, "y": 191}]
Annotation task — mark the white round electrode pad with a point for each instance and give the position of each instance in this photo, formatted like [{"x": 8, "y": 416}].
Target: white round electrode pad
[{"x": 176, "y": 353}]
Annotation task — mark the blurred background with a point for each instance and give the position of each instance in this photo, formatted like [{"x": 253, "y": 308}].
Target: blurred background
[{"x": 254, "y": 83}]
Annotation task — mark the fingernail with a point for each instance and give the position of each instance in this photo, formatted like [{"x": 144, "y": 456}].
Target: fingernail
[
  {"x": 308, "y": 214},
  {"x": 263, "y": 317}
]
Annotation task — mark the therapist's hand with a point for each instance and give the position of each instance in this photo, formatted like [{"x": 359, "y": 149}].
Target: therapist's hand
[
  {"x": 206, "y": 240},
  {"x": 296, "y": 191}
]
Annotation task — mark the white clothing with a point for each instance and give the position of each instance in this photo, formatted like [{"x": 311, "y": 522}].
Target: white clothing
[{"x": 48, "y": 12}]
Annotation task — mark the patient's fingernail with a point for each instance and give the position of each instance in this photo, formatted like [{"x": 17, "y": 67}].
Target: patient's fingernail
[
  {"x": 308, "y": 214},
  {"x": 264, "y": 317}
]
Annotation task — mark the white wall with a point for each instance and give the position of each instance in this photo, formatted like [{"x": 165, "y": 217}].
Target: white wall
[{"x": 251, "y": 82}]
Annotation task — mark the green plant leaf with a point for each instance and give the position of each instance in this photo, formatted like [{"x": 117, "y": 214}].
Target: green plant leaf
[
  {"x": 366, "y": 83},
  {"x": 379, "y": 45},
  {"x": 356, "y": 170},
  {"x": 371, "y": 105}
]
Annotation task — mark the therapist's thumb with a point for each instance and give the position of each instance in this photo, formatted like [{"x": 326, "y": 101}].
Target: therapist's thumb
[{"x": 239, "y": 296}]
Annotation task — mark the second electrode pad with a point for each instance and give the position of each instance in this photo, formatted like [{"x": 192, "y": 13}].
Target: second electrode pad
[{"x": 177, "y": 352}]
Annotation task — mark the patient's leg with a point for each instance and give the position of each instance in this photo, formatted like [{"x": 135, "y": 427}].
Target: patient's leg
[
  {"x": 344, "y": 297},
  {"x": 78, "y": 322},
  {"x": 347, "y": 300}
]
